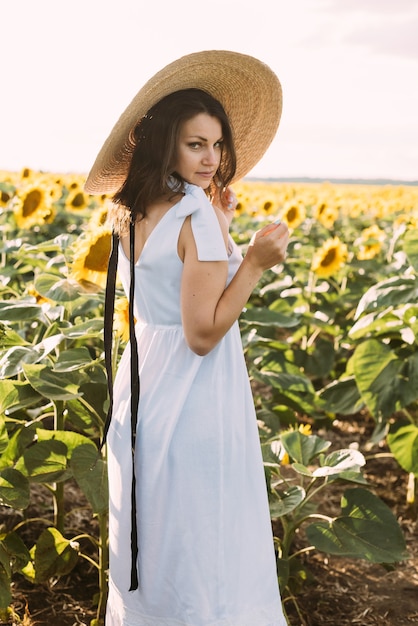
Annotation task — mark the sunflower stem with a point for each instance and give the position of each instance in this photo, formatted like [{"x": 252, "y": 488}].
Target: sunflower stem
[
  {"x": 58, "y": 489},
  {"x": 103, "y": 565},
  {"x": 308, "y": 299}
]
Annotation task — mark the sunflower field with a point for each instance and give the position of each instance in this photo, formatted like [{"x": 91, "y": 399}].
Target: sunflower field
[{"x": 329, "y": 334}]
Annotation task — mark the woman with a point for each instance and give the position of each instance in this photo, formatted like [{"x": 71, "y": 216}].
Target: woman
[{"x": 189, "y": 527}]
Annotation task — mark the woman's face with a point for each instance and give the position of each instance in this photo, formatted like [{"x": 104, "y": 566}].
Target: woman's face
[{"x": 199, "y": 149}]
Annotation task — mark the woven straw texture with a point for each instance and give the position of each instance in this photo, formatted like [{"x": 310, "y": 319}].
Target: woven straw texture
[{"x": 247, "y": 88}]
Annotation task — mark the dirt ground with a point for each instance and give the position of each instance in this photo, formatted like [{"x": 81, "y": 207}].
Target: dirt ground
[
  {"x": 343, "y": 591},
  {"x": 353, "y": 591}
]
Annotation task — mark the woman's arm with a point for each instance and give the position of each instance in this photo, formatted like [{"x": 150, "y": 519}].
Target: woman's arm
[{"x": 208, "y": 308}]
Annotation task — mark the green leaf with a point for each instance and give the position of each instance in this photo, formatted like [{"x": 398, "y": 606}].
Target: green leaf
[
  {"x": 70, "y": 439},
  {"x": 9, "y": 338},
  {"x": 19, "y": 310},
  {"x": 90, "y": 472},
  {"x": 16, "y": 395},
  {"x": 57, "y": 288},
  {"x": 295, "y": 391},
  {"x": 5, "y": 559},
  {"x": 301, "y": 469},
  {"x": 13, "y": 359},
  {"x": 283, "y": 573},
  {"x": 45, "y": 461},
  {"x": 318, "y": 360},
  {"x": 340, "y": 461},
  {"x": 272, "y": 452},
  {"x": 403, "y": 443},
  {"x": 410, "y": 246},
  {"x": 384, "y": 380},
  {"x": 87, "y": 329},
  {"x": 51, "y": 384},
  {"x": 71, "y": 360},
  {"x": 266, "y": 317},
  {"x": 303, "y": 448},
  {"x": 352, "y": 476},
  {"x": 54, "y": 555},
  {"x": 4, "y": 437},
  {"x": 367, "y": 529},
  {"x": 390, "y": 292},
  {"x": 88, "y": 413},
  {"x": 373, "y": 324},
  {"x": 19, "y": 440},
  {"x": 18, "y": 553},
  {"x": 286, "y": 501},
  {"x": 5, "y": 594},
  {"x": 341, "y": 396},
  {"x": 14, "y": 489}
]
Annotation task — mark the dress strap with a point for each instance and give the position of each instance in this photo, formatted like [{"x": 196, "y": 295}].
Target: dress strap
[
  {"x": 206, "y": 229},
  {"x": 135, "y": 385},
  {"x": 109, "y": 307},
  {"x": 134, "y": 408}
]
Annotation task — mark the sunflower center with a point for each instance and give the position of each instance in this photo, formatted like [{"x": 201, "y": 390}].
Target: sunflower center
[
  {"x": 78, "y": 200},
  {"x": 329, "y": 258},
  {"x": 98, "y": 256},
  {"x": 292, "y": 214},
  {"x": 31, "y": 202}
]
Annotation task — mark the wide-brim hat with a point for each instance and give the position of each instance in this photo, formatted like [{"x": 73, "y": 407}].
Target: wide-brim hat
[{"x": 247, "y": 88}]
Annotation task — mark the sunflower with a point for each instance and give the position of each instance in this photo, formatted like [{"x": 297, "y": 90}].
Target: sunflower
[
  {"x": 294, "y": 213},
  {"x": 269, "y": 205},
  {"x": 329, "y": 258},
  {"x": 305, "y": 429},
  {"x": 370, "y": 242},
  {"x": 26, "y": 173},
  {"x": 325, "y": 214},
  {"x": 74, "y": 182},
  {"x": 278, "y": 448},
  {"x": 91, "y": 255},
  {"x": 5, "y": 197},
  {"x": 121, "y": 319},
  {"x": 405, "y": 220},
  {"x": 35, "y": 294},
  {"x": 33, "y": 206},
  {"x": 54, "y": 189},
  {"x": 98, "y": 218},
  {"x": 77, "y": 200}
]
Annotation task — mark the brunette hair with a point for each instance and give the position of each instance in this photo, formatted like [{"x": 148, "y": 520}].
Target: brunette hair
[{"x": 155, "y": 139}]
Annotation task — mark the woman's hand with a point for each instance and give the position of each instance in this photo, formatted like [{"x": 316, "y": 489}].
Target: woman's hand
[
  {"x": 226, "y": 200},
  {"x": 268, "y": 246}
]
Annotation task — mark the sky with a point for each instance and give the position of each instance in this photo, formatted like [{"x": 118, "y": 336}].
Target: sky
[{"x": 348, "y": 69}]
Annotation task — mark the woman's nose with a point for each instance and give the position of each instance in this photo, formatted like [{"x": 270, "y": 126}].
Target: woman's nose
[{"x": 210, "y": 156}]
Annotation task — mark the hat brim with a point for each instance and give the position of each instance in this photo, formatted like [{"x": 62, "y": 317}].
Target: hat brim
[{"x": 248, "y": 89}]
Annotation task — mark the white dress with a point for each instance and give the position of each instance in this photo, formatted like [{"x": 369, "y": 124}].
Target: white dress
[{"x": 206, "y": 555}]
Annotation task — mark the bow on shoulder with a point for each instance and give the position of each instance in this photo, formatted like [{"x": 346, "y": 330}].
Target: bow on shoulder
[{"x": 206, "y": 229}]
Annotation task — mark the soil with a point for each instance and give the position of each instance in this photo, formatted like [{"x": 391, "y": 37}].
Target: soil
[
  {"x": 353, "y": 591},
  {"x": 342, "y": 591}
]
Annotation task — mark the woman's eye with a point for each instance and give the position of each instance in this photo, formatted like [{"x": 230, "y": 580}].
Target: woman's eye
[
  {"x": 195, "y": 145},
  {"x": 219, "y": 144}
]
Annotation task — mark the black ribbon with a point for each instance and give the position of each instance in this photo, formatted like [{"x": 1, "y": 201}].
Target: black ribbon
[
  {"x": 109, "y": 308},
  {"x": 134, "y": 409},
  {"x": 108, "y": 340}
]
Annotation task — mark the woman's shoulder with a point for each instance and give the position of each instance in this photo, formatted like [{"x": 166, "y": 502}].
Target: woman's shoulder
[{"x": 207, "y": 228}]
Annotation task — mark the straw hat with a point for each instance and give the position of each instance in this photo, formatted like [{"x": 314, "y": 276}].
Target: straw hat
[{"x": 247, "y": 88}]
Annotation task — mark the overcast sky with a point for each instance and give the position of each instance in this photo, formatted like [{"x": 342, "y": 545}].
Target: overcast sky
[{"x": 349, "y": 71}]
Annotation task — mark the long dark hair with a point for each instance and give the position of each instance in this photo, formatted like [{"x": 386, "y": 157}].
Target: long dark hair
[{"x": 155, "y": 139}]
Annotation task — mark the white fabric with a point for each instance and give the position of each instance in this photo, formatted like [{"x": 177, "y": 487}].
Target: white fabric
[{"x": 206, "y": 554}]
